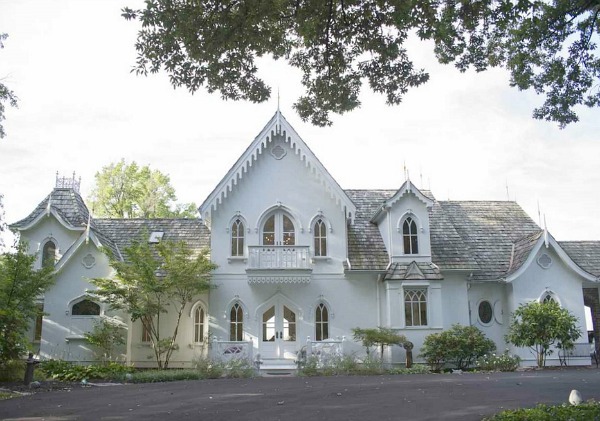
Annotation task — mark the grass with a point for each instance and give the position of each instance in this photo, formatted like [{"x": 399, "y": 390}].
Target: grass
[{"x": 588, "y": 411}]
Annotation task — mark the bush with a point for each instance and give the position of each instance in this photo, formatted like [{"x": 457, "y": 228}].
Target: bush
[
  {"x": 158, "y": 376},
  {"x": 67, "y": 371},
  {"x": 503, "y": 362},
  {"x": 583, "y": 412},
  {"x": 459, "y": 346},
  {"x": 239, "y": 368},
  {"x": 415, "y": 369},
  {"x": 207, "y": 368},
  {"x": 12, "y": 371}
]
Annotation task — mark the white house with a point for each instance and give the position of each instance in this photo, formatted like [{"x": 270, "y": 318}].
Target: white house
[{"x": 302, "y": 260}]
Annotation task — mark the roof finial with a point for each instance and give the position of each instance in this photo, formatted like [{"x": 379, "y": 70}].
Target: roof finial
[
  {"x": 405, "y": 172},
  {"x": 539, "y": 213},
  {"x": 278, "y": 99},
  {"x": 507, "y": 195},
  {"x": 545, "y": 232}
]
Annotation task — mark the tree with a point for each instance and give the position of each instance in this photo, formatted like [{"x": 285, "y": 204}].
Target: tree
[
  {"x": 2, "y": 221},
  {"x": 339, "y": 44},
  {"x": 20, "y": 286},
  {"x": 106, "y": 337},
  {"x": 125, "y": 190},
  {"x": 150, "y": 282},
  {"x": 6, "y": 95},
  {"x": 540, "y": 325},
  {"x": 381, "y": 337},
  {"x": 459, "y": 346}
]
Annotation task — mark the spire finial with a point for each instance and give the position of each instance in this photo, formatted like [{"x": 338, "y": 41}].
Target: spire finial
[{"x": 278, "y": 99}]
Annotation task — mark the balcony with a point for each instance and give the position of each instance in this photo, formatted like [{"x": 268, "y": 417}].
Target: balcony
[{"x": 278, "y": 264}]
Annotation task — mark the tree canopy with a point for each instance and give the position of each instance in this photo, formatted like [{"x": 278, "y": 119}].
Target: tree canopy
[
  {"x": 20, "y": 287},
  {"x": 538, "y": 326},
  {"x": 126, "y": 190},
  {"x": 546, "y": 45},
  {"x": 6, "y": 95},
  {"x": 152, "y": 281}
]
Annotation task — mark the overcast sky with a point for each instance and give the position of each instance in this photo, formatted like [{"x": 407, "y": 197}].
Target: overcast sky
[{"x": 464, "y": 136}]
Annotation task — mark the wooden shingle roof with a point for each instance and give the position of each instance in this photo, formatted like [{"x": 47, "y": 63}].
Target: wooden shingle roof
[{"x": 585, "y": 253}]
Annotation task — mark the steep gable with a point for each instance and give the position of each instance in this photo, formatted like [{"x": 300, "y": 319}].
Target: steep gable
[{"x": 277, "y": 127}]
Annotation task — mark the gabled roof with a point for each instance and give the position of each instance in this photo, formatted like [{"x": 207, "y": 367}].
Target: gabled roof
[
  {"x": 123, "y": 232},
  {"x": 413, "y": 271},
  {"x": 489, "y": 229},
  {"x": 585, "y": 253},
  {"x": 407, "y": 188},
  {"x": 65, "y": 204},
  {"x": 522, "y": 250},
  {"x": 278, "y": 125}
]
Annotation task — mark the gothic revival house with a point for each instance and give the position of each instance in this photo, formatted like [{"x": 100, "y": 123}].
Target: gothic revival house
[{"x": 302, "y": 261}]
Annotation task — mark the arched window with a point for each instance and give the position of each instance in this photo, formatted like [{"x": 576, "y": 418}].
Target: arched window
[
  {"x": 415, "y": 306},
  {"x": 236, "y": 323},
  {"x": 199, "y": 325},
  {"x": 49, "y": 254},
  {"x": 237, "y": 238},
  {"x": 549, "y": 297},
  {"x": 278, "y": 230},
  {"x": 322, "y": 323},
  {"x": 320, "y": 231},
  {"x": 85, "y": 308},
  {"x": 409, "y": 232}
]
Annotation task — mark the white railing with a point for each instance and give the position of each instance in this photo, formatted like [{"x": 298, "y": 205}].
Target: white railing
[
  {"x": 278, "y": 257},
  {"x": 325, "y": 351},
  {"x": 230, "y": 350}
]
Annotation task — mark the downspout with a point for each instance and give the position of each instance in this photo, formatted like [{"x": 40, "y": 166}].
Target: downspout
[{"x": 377, "y": 284}]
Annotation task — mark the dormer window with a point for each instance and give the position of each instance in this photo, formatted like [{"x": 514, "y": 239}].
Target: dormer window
[
  {"x": 410, "y": 236},
  {"x": 155, "y": 237},
  {"x": 49, "y": 254}
]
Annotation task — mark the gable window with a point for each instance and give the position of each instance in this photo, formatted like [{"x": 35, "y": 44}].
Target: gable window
[
  {"x": 237, "y": 238},
  {"x": 320, "y": 231},
  {"x": 409, "y": 233},
  {"x": 236, "y": 323},
  {"x": 278, "y": 230},
  {"x": 322, "y": 323},
  {"x": 199, "y": 325},
  {"x": 549, "y": 297},
  {"x": 415, "y": 306},
  {"x": 85, "y": 308},
  {"x": 49, "y": 254}
]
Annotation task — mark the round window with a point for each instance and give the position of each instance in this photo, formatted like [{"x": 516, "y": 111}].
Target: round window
[{"x": 485, "y": 312}]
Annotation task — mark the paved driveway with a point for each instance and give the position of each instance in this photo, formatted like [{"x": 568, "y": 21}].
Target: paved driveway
[{"x": 412, "y": 397}]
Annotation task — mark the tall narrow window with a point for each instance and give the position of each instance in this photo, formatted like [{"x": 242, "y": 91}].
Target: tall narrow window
[
  {"x": 145, "y": 333},
  {"x": 320, "y": 238},
  {"x": 415, "y": 307},
  {"x": 85, "y": 308},
  {"x": 236, "y": 323},
  {"x": 49, "y": 254},
  {"x": 199, "y": 325},
  {"x": 278, "y": 230},
  {"x": 322, "y": 323},
  {"x": 289, "y": 233},
  {"x": 268, "y": 238},
  {"x": 411, "y": 241},
  {"x": 237, "y": 238},
  {"x": 39, "y": 319}
]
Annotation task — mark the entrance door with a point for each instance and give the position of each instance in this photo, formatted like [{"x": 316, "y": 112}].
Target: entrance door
[
  {"x": 278, "y": 230},
  {"x": 278, "y": 332}
]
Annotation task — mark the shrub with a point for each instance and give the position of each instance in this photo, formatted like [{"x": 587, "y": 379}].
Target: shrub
[
  {"x": 503, "y": 362},
  {"x": 582, "y": 412},
  {"x": 459, "y": 346},
  {"x": 67, "y": 371},
  {"x": 158, "y": 376},
  {"x": 207, "y": 368},
  {"x": 12, "y": 371},
  {"x": 415, "y": 369},
  {"x": 239, "y": 368}
]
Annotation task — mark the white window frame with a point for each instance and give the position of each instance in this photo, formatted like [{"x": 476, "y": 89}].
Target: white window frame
[{"x": 425, "y": 291}]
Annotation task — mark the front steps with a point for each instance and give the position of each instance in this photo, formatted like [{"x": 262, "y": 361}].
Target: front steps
[{"x": 277, "y": 367}]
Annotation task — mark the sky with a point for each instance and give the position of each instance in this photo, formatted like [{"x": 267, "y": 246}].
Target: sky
[{"x": 462, "y": 136}]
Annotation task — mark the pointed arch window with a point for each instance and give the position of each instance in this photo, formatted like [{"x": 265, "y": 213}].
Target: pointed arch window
[
  {"x": 236, "y": 323},
  {"x": 410, "y": 236},
  {"x": 85, "y": 308},
  {"x": 278, "y": 230},
  {"x": 49, "y": 254},
  {"x": 237, "y": 238},
  {"x": 320, "y": 231},
  {"x": 199, "y": 327},
  {"x": 322, "y": 323},
  {"x": 415, "y": 306}
]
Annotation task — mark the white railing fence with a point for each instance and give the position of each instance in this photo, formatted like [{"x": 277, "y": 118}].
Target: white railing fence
[{"x": 278, "y": 257}]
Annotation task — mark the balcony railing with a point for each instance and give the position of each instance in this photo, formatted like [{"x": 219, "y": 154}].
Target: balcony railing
[{"x": 278, "y": 257}]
